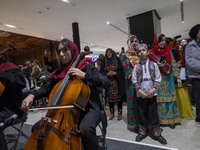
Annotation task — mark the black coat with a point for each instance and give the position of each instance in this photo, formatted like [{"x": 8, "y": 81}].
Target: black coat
[
  {"x": 93, "y": 79},
  {"x": 120, "y": 77},
  {"x": 53, "y": 63},
  {"x": 11, "y": 98}
]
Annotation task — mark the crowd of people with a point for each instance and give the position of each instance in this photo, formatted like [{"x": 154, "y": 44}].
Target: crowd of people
[{"x": 150, "y": 80}]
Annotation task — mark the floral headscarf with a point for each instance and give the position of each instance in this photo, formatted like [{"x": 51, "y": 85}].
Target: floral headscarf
[
  {"x": 129, "y": 41},
  {"x": 109, "y": 61},
  {"x": 131, "y": 54}
]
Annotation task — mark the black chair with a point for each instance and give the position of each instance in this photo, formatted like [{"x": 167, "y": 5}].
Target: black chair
[
  {"x": 16, "y": 126},
  {"x": 102, "y": 137},
  {"x": 103, "y": 123}
]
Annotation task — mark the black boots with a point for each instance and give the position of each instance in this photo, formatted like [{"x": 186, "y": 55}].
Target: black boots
[
  {"x": 142, "y": 133},
  {"x": 139, "y": 137},
  {"x": 161, "y": 139},
  {"x": 158, "y": 136},
  {"x": 172, "y": 126}
]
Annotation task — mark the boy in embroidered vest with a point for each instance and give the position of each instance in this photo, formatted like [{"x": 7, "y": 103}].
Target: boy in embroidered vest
[{"x": 146, "y": 79}]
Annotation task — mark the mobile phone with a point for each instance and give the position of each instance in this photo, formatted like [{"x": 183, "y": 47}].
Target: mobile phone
[{"x": 162, "y": 58}]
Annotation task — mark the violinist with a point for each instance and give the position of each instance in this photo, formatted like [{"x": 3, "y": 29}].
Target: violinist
[
  {"x": 12, "y": 83},
  {"x": 67, "y": 52}
]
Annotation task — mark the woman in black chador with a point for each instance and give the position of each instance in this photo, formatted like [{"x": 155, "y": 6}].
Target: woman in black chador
[{"x": 112, "y": 68}]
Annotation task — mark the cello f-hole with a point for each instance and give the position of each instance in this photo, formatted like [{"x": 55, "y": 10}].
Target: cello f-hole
[{"x": 61, "y": 113}]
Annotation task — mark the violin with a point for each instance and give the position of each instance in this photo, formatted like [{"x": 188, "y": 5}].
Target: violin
[{"x": 59, "y": 128}]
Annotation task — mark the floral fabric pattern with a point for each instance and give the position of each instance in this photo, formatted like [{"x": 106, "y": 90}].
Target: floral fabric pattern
[
  {"x": 112, "y": 92},
  {"x": 168, "y": 110},
  {"x": 128, "y": 62}
]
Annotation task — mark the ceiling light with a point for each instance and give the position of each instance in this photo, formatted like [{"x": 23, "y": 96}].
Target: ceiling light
[
  {"x": 69, "y": 2},
  {"x": 182, "y": 11},
  {"x": 10, "y": 26},
  {"x": 108, "y": 23}
]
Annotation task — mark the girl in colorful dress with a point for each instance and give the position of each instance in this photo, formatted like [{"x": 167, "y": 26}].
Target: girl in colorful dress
[
  {"x": 112, "y": 68},
  {"x": 182, "y": 93},
  {"x": 168, "y": 110},
  {"x": 129, "y": 60}
]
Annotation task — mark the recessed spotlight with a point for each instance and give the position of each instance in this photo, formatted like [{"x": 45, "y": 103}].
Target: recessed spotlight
[
  {"x": 62, "y": 37},
  {"x": 10, "y": 26},
  {"x": 66, "y": 1},
  {"x": 182, "y": 21},
  {"x": 69, "y": 2},
  {"x": 108, "y": 23}
]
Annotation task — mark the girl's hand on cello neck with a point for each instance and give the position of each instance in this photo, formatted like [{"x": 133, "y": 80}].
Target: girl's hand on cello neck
[{"x": 77, "y": 72}]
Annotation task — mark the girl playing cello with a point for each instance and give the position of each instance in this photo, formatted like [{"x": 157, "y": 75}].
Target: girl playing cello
[{"x": 67, "y": 52}]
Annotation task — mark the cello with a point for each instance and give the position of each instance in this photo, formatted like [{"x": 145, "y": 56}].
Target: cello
[
  {"x": 59, "y": 128},
  {"x": 2, "y": 87}
]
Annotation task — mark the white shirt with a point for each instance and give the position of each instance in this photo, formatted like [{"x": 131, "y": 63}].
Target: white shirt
[{"x": 147, "y": 84}]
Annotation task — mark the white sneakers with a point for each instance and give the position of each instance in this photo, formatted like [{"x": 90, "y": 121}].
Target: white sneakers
[{"x": 197, "y": 124}]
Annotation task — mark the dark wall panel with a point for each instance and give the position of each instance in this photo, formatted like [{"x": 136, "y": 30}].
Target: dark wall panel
[{"x": 144, "y": 26}]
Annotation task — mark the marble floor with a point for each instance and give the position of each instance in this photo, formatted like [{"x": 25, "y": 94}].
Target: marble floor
[{"x": 184, "y": 137}]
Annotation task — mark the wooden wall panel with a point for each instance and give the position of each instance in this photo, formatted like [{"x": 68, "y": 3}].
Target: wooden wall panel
[
  {"x": 31, "y": 54},
  {"x": 26, "y": 47}
]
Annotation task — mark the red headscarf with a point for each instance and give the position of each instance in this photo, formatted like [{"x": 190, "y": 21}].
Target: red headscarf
[
  {"x": 157, "y": 52},
  {"x": 64, "y": 69},
  {"x": 6, "y": 66}
]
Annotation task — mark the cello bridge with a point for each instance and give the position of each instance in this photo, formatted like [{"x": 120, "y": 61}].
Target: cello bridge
[{"x": 49, "y": 120}]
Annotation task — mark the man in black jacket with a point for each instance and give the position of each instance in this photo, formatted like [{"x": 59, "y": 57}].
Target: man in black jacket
[{"x": 12, "y": 83}]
